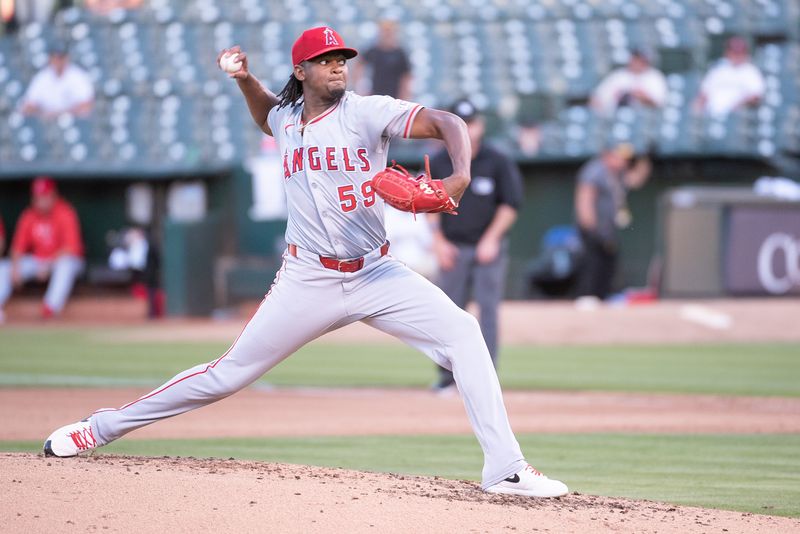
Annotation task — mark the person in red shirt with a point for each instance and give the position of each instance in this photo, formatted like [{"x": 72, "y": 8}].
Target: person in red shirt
[{"x": 47, "y": 245}]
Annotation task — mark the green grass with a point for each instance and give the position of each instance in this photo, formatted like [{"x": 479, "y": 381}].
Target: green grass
[
  {"x": 755, "y": 473},
  {"x": 746, "y": 369},
  {"x": 81, "y": 357}
]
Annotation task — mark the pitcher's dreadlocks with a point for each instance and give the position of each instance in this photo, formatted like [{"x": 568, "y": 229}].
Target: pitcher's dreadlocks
[{"x": 291, "y": 93}]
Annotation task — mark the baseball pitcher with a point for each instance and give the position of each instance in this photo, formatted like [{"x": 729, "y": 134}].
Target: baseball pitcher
[{"x": 337, "y": 268}]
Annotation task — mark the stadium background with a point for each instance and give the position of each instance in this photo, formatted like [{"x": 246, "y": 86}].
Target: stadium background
[
  {"x": 164, "y": 112},
  {"x": 680, "y": 401}
]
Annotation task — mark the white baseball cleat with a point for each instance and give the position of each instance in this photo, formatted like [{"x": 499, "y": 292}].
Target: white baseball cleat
[
  {"x": 530, "y": 483},
  {"x": 71, "y": 439}
]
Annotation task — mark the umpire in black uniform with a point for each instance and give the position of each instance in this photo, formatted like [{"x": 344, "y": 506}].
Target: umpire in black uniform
[{"x": 472, "y": 248}]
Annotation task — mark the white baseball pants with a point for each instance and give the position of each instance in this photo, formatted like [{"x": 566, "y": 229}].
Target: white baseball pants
[
  {"x": 307, "y": 300},
  {"x": 63, "y": 272}
]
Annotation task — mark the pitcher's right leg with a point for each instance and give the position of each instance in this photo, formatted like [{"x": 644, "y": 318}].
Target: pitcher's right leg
[{"x": 290, "y": 315}]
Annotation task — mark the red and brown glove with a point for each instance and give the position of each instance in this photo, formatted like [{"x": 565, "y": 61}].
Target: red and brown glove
[{"x": 418, "y": 195}]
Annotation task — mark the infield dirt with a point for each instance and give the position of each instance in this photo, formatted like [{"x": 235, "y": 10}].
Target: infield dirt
[{"x": 357, "y": 412}]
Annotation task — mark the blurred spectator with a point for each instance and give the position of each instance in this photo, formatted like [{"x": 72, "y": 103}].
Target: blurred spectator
[
  {"x": 472, "y": 249},
  {"x": 59, "y": 87},
  {"x": 732, "y": 83},
  {"x": 388, "y": 66},
  {"x": 47, "y": 244},
  {"x": 104, "y": 7},
  {"x": 130, "y": 251},
  {"x": 529, "y": 137},
  {"x": 554, "y": 270},
  {"x": 638, "y": 82},
  {"x": 601, "y": 210},
  {"x": 8, "y": 18},
  {"x": 133, "y": 251},
  {"x": 27, "y": 11}
]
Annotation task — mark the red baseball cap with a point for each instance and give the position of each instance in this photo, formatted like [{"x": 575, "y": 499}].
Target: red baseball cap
[
  {"x": 43, "y": 185},
  {"x": 317, "y": 41}
]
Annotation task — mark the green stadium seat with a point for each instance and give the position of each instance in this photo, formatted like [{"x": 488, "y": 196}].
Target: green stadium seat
[
  {"x": 674, "y": 59},
  {"x": 535, "y": 108},
  {"x": 523, "y": 62}
]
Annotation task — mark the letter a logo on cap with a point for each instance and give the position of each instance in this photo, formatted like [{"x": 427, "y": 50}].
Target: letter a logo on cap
[{"x": 330, "y": 38}]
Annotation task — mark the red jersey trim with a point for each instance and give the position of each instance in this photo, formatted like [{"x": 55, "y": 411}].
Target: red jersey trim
[
  {"x": 166, "y": 387},
  {"x": 410, "y": 120}
]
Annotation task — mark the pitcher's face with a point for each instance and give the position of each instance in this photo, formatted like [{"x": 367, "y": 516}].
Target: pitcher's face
[{"x": 324, "y": 75}]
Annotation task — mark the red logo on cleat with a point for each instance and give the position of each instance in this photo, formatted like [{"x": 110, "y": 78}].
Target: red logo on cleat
[{"x": 84, "y": 439}]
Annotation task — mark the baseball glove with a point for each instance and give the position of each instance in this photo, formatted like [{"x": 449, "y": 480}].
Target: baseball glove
[{"x": 418, "y": 195}]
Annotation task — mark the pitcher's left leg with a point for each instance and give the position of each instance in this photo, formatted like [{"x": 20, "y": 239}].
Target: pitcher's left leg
[{"x": 413, "y": 309}]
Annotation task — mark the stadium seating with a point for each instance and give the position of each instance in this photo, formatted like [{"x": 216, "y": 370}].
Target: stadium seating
[{"x": 163, "y": 104}]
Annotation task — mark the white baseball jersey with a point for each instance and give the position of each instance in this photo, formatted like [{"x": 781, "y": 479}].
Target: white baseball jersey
[{"x": 328, "y": 164}]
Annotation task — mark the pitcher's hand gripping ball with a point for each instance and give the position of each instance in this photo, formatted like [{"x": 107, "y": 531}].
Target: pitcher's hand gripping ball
[
  {"x": 418, "y": 195},
  {"x": 230, "y": 63}
]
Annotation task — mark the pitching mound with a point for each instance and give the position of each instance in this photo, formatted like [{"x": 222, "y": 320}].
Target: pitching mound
[{"x": 107, "y": 493}]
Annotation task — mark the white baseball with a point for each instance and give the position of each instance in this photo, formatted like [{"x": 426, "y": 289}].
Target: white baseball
[{"x": 229, "y": 64}]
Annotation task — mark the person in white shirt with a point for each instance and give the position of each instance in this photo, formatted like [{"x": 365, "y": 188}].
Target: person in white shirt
[
  {"x": 60, "y": 87},
  {"x": 638, "y": 82},
  {"x": 734, "y": 82}
]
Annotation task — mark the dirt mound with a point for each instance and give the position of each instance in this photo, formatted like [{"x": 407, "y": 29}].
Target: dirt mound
[{"x": 133, "y": 494}]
